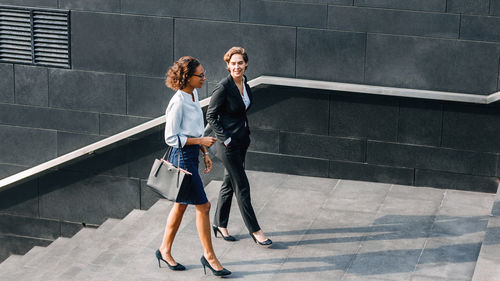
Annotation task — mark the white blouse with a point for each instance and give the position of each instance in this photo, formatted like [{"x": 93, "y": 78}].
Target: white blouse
[
  {"x": 184, "y": 118},
  {"x": 246, "y": 98}
]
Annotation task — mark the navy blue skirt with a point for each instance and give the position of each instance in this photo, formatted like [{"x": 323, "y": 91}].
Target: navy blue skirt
[{"x": 194, "y": 192}]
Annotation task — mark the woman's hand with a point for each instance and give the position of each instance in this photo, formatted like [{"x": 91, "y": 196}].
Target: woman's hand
[
  {"x": 208, "y": 164},
  {"x": 207, "y": 141}
]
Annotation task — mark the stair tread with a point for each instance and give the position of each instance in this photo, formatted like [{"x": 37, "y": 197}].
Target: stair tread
[
  {"x": 82, "y": 250},
  {"x": 111, "y": 261}
]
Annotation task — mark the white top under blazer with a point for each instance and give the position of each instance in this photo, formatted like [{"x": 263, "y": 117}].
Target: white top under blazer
[{"x": 184, "y": 118}]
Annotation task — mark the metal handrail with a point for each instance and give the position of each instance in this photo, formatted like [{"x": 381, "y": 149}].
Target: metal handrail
[{"x": 262, "y": 80}]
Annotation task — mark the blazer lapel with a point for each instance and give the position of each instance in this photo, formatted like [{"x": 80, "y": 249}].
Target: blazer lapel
[
  {"x": 235, "y": 91},
  {"x": 249, "y": 92}
]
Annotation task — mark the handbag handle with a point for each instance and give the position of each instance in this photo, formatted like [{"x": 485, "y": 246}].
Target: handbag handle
[{"x": 169, "y": 151}]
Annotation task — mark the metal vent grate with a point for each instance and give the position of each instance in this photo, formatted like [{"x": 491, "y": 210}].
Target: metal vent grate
[
  {"x": 35, "y": 36},
  {"x": 15, "y": 35}
]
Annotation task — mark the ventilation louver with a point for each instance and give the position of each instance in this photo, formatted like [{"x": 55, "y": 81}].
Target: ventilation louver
[{"x": 34, "y": 36}]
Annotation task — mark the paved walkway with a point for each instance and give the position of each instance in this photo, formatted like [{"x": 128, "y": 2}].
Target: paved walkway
[
  {"x": 323, "y": 229},
  {"x": 327, "y": 229}
]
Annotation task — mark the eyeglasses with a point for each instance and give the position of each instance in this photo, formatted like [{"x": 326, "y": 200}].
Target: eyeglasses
[{"x": 200, "y": 75}]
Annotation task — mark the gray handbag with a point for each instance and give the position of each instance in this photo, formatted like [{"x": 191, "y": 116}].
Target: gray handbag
[{"x": 166, "y": 179}]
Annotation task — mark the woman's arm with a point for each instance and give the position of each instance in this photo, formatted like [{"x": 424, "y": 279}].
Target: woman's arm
[
  {"x": 203, "y": 141},
  {"x": 173, "y": 118}
]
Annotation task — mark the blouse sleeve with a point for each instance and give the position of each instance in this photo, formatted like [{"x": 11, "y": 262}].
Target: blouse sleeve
[{"x": 173, "y": 119}]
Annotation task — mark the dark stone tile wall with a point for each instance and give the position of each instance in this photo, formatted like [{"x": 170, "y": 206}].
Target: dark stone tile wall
[
  {"x": 431, "y": 158},
  {"x": 95, "y": 92},
  {"x": 332, "y": 2},
  {"x": 10, "y": 169},
  {"x": 375, "y": 138},
  {"x": 281, "y": 13},
  {"x": 31, "y": 3},
  {"x": 6, "y": 83},
  {"x": 325, "y": 147},
  {"x": 417, "y": 5},
  {"x": 477, "y": 7},
  {"x": 91, "y": 5},
  {"x": 265, "y": 140},
  {"x": 371, "y": 20},
  {"x": 480, "y": 28},
  {"x": 71, "y": 196},
  {"x": 279, "y": 163},
  {"x": 19, "y": 245},
  {"x": 271, "y": 49},
  {"x": 455, "y": 181},
  {"x": 420, "y": 122},
  {"x": 26, "y": 226},
  {"x": 498, "y": 165},
  {"x": 340, "y": 57},
  {"x": 67, "y": 141},
  {"x": 110, "y": 124},
  {"x": 32, "y": 85},
  {"x": 364, "y": 117},
  {"x": 495, "y": 7},
  {"x": 225, "y": 10},
  {"x": 422, "y": 63},
  {"x": 471, "y": 127},
  {"x": 49, "y": 118},
  {"x": 21, "y": 200},
  {"x": 121, "y": 43},
  {"x": 367, "y": 172},
  {"x": 18, "y": 146},
  {"x": 277, "y": 110},
  {"x": 147, "y": 96}
]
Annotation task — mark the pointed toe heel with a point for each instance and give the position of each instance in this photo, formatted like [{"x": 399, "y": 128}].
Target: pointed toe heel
[
  {"x": 222, "y": 272},
  {"x": 227, "y": 238},
  {"x": 177, "y": 267},
  {"x": 268, "y": 242}
]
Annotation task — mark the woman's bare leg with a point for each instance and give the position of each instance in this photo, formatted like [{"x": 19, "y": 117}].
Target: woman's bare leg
[
  {"x": 203, "y": 226},
  {"x": 173, "y": 222}
]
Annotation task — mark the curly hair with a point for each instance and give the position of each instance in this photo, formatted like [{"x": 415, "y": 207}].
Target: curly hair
[
  {"x": 234, "y": 51},
  {"x": 180, "y": 72}
]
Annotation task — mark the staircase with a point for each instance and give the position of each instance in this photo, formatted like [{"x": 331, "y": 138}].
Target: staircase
[{"x": 323, "y": 229}]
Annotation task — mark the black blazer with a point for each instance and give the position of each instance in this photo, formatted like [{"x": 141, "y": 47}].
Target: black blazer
[{"x": 226, "y": 112}]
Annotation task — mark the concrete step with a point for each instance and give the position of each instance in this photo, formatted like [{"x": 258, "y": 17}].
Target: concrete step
[
  {"x": 323, "y": 229},
  {"x": 10, "y": 263},
  {"x": 488, "y": 262},
  {"x": 147, "y": 234},
  {"x": 87, "y": 248}
]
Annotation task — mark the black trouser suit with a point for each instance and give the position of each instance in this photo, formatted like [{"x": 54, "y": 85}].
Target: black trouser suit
[
  {"x": 235, "y": 182},
  {"x": 226, "y": 115}
]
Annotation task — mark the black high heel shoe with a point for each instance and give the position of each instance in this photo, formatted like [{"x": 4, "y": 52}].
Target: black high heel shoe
[
  {"x": 268, "y": 242},
  {"x": 227, "y": 238},
  {"x": 222, "y": 272},
  {"x": 176, "y": 267}
]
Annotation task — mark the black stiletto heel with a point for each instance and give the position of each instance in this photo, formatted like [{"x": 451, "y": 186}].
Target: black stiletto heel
[
  {"x": 268, "y": 242},
  {"x": 222, "y": 272},
  {"x": 176, "y": 267},
  {"x": 227, "y": 238}
]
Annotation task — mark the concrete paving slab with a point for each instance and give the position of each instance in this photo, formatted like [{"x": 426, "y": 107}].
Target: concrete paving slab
[
  {"x": 450, "y": 257},
  {"x": 417, "y": 193},
  {"x": 322, "y": 229},
  {"x": 357, "y": 196}
]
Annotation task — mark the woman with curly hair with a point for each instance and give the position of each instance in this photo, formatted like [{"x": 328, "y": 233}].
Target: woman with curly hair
[{"x": 184, "y": 129}]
